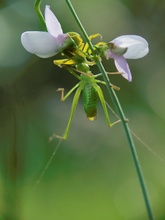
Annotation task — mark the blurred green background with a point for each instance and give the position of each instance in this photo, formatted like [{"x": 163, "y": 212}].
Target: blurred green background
[{"x": 92, "y": 175}]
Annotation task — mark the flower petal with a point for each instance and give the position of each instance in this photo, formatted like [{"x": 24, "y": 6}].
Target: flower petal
[
  {"x": 137, "y": 46},
  {"x": 122, "y": 66},
  {"x": 40, "y": 43},
  {"x": 52, "y": 24}
]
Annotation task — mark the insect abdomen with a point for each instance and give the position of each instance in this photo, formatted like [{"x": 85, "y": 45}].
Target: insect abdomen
[{"x": 90, "y": 101}]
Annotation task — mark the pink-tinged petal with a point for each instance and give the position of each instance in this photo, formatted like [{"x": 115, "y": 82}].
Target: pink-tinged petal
[
  {"x": 122, "y": 66},
  {"x": 52, "y": 24},
  {"x": 137, "y": 46},
  {"x": 40, "y": 43}
]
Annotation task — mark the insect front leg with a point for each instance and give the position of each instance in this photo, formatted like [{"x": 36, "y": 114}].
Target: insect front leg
[
  {"x": 63, "y": 98},
  {"x": 72, "y": 71}
]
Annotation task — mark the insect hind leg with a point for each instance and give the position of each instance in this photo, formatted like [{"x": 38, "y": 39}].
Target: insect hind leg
[
  {"x": 103, "y": 102},
  {"x": 74, "y": 104}
]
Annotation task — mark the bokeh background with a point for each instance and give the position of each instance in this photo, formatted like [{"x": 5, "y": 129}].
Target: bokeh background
[{"x": 92, "y": 175}]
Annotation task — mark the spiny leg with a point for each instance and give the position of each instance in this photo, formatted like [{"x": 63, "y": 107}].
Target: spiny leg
[
  {"x": 74, "y": 104},
  {"x": 102, "y": 82},
  {"x": 108, "y": 73},
  {"x": 114, "y": 113},
  {"x": 73, "y": 72},
  {"x": 85, "y": 73},
  {"x": 95, "y": 76},
  {"x": 101, "y": 96}
]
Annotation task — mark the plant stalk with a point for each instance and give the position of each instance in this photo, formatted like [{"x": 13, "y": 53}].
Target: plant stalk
[{"x": 119, "y": 109}]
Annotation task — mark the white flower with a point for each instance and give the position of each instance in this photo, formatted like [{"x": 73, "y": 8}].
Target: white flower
[
  {"x": 127, "y": 47},
  {"x": 46, "y": 44}
]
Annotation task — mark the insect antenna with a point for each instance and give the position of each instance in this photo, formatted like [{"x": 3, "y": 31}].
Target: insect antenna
[
  {"x": 138, "y": 138},
  {"x": 47, "y": 165}
]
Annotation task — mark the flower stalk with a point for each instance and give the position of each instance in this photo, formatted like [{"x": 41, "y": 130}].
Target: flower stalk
[
  {"x": 119, "y": 109},
  {"x": 52, "y": 40}
]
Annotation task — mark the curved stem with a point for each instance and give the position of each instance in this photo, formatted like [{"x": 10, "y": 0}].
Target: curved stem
[
  {"x": 119, "y": 109},
  {"x": 39, "y": 13}
]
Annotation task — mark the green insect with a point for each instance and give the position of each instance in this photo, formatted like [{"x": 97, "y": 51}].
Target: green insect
[
  {"x": 78, "y": 59},
  {"x": 91, "y": 91}
]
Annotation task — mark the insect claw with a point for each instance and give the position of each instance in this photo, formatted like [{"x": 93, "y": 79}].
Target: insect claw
[
  {"x": 57, "y": 136},
  {"x": 126, "y": 120},
  {"x": 115, "y": 123},
  {"x": 115, "y": 87},
  {"x": 52, "y": 137},
  {"x": 62, "y": 92},
  {"x": 114, "y": 73}
]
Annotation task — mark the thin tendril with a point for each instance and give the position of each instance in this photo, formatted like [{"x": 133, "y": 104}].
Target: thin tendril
[{"x": 119, "y": 109}]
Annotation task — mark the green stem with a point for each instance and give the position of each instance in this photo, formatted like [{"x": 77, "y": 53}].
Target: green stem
[
  {"x": 40, "y": 15},
  {"x": 119, "y": 109}
]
